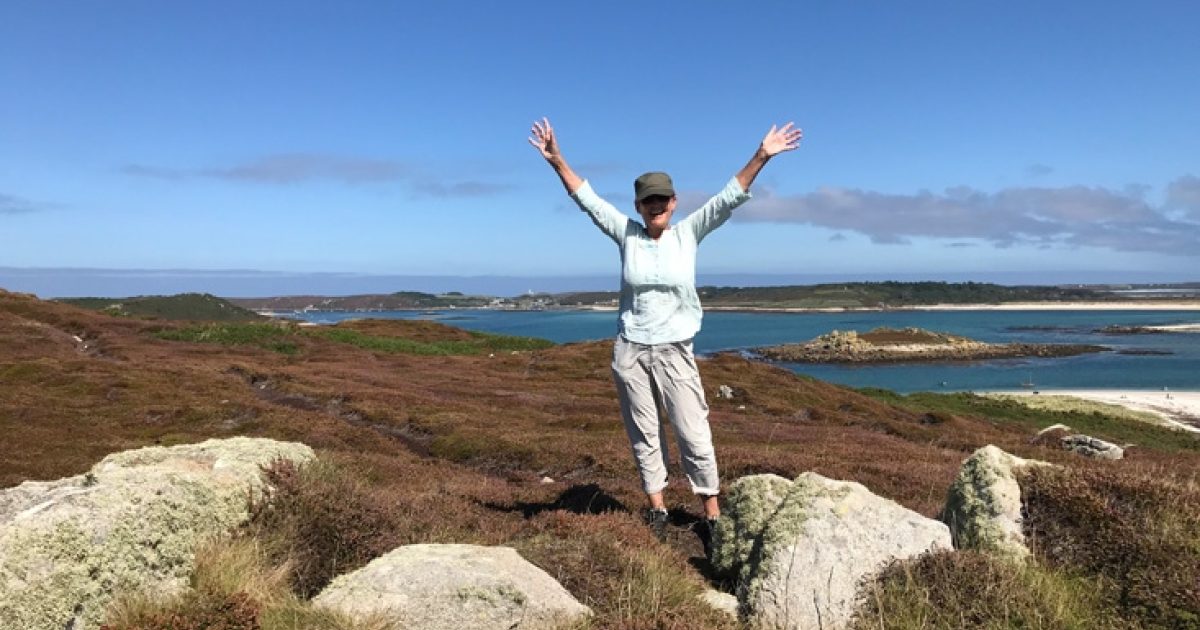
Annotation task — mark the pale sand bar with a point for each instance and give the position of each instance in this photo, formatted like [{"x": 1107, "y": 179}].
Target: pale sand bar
[
  {"x": 1063, "y": 306},
  {"x": 1179, "y": 409}
]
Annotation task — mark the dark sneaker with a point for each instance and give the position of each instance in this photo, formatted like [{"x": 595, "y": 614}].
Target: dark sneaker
[
  {"x": 706, "y": 529},
  {"x": 658, "y": 523}
]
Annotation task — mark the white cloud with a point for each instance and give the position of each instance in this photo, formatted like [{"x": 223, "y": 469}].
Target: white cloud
[{"x": 1074, "y": 216}]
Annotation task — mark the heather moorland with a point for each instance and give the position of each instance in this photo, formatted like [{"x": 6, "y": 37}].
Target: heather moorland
[{"x": 427, "y": 433}]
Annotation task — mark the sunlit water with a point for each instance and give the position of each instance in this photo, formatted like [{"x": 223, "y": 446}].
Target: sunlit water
[{"x": 1179, "y": 370}]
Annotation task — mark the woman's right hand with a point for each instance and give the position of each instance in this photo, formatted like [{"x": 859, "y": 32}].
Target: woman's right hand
[{"x": 543, "y": 139}]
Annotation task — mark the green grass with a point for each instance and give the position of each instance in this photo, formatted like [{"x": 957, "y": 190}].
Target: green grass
[
  {"x": 1118, "y": 429},
  {"x": 1051, "y": 402},
  {"x": 272, "y": 336},
  {"x": 283, "y": 338},
  {"x": 479, "y": 343}
]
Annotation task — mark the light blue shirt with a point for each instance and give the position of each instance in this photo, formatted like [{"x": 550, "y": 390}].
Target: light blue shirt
[{"x": 659, "y": 303}]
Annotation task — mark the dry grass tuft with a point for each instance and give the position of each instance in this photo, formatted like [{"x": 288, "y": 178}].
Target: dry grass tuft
[
  {"x": 233, "y": 587},
  {"x": 950, "y": 590},
  {"x": 1137, "y": 533}
]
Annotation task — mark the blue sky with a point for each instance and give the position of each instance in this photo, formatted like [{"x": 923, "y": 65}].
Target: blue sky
[{"x": 942, "y": 140}]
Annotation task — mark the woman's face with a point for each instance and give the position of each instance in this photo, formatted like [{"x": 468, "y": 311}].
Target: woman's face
[{"x": 656, "y": 211}]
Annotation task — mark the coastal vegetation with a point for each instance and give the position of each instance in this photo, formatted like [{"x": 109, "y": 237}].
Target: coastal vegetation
[
  {"x": 519, "y": 442},
  {"x": 399, "y": 301},
  {"x": 1052, "y": 402},
  {"x": 285, "y": 337}
]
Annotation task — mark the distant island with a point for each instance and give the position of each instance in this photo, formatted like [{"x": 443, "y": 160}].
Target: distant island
[
  {"x": 889, "y": 345},
  {"x": 834, "y": 296},
  {"x": 821, "y": 297}
]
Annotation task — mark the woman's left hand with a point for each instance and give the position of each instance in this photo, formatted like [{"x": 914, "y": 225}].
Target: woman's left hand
[{"x": 779, "y": 140}]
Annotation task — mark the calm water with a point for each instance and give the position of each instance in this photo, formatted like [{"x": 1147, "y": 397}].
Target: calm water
[{"x": 728, "y": 331}]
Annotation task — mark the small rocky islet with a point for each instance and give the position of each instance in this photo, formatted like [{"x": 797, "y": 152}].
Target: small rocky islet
[{"x": 891, "y": 345}]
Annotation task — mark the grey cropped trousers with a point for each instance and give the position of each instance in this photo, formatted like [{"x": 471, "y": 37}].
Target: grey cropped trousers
[{"x": 664, "y": 376}]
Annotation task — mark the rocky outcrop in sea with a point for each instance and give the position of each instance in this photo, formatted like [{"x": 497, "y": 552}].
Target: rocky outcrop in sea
[{"x": 887, "y": 345}]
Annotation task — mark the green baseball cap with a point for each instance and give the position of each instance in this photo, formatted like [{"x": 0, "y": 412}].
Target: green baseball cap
[{"x": 653, "y": 183}]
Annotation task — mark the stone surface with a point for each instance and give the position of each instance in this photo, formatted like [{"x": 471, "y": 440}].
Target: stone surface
[
  {"x": 464, "y": 587},
  {"x": 886, "y": 345},
  {"x": 1092, "y": 447},
  {"x": 1052, "y": 428},
  {"x": 721, "y": 601},
  {"x": 983, "y": 505},
  {"x": 131, "y": 523},
  {"x": 799, "y": 558}
]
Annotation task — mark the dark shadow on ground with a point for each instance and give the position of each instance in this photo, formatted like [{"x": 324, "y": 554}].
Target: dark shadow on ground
[{"x": 580, "y": 499}]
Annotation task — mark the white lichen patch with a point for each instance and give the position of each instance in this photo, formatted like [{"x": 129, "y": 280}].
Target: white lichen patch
[
  {"x": 750, "y": 504},
  {"x": 983, "y": 505}
]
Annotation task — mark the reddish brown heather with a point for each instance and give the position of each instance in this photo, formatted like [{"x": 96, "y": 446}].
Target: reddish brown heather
[{"x": 452, "y": 448}]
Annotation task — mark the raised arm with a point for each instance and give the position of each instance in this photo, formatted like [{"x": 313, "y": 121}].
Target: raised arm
[
  {"x": 544, "y": 141},
  {"x": 775, "y": 142},
  {"x": 603, "y": 214}
]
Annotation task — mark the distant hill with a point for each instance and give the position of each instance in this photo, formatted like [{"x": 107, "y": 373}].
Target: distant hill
[
  {"x": 401, "y": 300},
  {"x": 840, "y": 295},
  {"x": 885, "y": 294},
  {"x": 185, "y": 306}
]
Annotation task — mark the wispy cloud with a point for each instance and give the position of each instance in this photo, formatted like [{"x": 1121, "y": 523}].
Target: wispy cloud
[
  {"x": 296, "y": 168},
  {"x": 16, "y": 205},
  {"x": 1051, "y": 217},
  {"x": 1038, "y": 170},
  {"x": 458, "y": 189},
  {"x": 153, "y": 172},
  {"x": 300, "y": 167}
]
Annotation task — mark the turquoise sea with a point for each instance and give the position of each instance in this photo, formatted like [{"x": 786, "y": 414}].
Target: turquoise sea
[{"x": 1175, "y": 364}]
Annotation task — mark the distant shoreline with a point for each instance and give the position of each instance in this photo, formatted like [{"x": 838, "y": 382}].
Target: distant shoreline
[
  {"x": 1010, "y": 306},
  {"x": 1014, "y": 306}
]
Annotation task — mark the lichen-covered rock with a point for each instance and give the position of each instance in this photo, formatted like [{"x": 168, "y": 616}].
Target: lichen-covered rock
[
  {"x": 753, "y": 500},
  {"x": 130, "y": 524},
  {"x": 983, "y": 505},
  {"x": 464, "y": 587},
  {"x": 1092, "y": 447},
  {"x": 815, "y": 547}
]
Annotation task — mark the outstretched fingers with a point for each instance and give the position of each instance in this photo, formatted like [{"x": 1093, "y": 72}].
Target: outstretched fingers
[
  {"x": 543, "y": 136},
  {"x": 780, "y": 139}
]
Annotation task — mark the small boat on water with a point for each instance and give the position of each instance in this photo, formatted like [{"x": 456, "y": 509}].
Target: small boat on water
[{"x": 1028, "y": 382}]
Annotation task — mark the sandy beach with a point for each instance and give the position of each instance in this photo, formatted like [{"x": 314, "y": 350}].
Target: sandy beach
[
  {"x": 1180, "y": 409},
  {"x": 1137, "y": 305}
]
